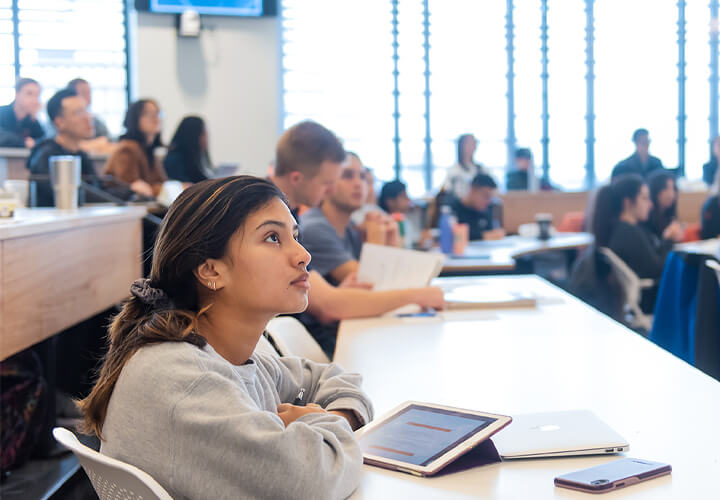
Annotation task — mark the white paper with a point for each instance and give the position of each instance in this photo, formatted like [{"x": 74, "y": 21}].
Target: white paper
[{"x": 390, "y": 268}]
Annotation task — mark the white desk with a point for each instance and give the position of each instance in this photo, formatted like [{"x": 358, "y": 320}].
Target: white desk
[
  {"x": 501, "y": 255},
  {"x": 562, "y": 355}
]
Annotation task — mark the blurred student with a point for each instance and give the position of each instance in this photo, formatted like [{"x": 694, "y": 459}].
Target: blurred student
[
  {"x": 371, "y": 200},
  {"x": 183, "y": 395},
  {"x": 641, "y": 162},
  {"x": 664, "y": 195},
  {"x": 83, "y": 90},
  {"x": 460, "y": 175},
  {"x": 621, "y": 208},
  {"x": 68, "y": 114},
  {"x": 394, "y": 198},
  {"x": 328, "y": 232},
  {"x": 134, "y": 161},
  {"x": 522, "y": 177},
  {"x": 711, "y": 167},
  {"x": 308, "y": 163},
  {"x": 19, "y": 127},
  {"x": 710, "y": 216},
  {"x": 476, "y": 209},
  {"x": 187, "y": 159}
]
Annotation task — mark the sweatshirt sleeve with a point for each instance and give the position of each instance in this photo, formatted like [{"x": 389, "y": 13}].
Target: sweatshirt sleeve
[
  {"x": 325, "y": 384},
  {"x": 224, "y": 446}
]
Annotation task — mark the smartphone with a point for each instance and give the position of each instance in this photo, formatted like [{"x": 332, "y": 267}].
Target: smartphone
[{"x": 612, "y": 475}]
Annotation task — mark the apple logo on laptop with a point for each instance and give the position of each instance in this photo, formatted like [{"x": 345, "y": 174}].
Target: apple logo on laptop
[{"x": 545, "y": 428}]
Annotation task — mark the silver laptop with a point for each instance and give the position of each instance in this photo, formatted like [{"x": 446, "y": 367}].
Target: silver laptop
[{"x": 558, "y": 434}]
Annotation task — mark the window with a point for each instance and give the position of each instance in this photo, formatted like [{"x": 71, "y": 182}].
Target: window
[
  {"x": 567, "y": 93},
  {"x": 64, "y": 39},
  {"x": 528, "y": 78},
  {"x": 337, "y": 69},
  {"x": 468, "y": 66},
  {"x": 636, "y": 80},
  {"x": 7, "y": 53},
  {"x": 335, "y": 51},
  {"x": 697, "y": 100}
]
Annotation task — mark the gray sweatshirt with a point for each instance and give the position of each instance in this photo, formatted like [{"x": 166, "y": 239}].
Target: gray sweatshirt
[{"x": 204, "y": 428}]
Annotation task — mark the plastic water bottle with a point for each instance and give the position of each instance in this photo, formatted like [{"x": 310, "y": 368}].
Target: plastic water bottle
[{"x": 445, "y": 226}]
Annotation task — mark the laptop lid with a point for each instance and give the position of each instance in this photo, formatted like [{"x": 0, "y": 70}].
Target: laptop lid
[{"x": 558, "y": 434}]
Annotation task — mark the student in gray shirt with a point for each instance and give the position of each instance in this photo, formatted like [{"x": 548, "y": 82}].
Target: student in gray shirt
[
  {"x": 183, "y": 396},
  {"x": 330, "y": 235}
]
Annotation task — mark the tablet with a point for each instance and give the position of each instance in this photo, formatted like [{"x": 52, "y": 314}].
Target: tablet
[{"x": 422, "y": 438}]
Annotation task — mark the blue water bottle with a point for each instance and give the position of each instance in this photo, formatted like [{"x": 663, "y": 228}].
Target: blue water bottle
[{"x": 445, "y": 226}]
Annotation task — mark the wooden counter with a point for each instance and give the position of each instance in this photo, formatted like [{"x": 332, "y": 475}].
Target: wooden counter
[{"x": 58, "y": 268}]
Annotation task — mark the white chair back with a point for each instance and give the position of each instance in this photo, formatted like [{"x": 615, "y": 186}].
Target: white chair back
[
  {"x": 265, "y": 347},
  {"x": 633, "y": 286},
  {"x": 111, "y": 478},
  {"x": 715, "y": 266},
  {"x": 292, "y": 339}
]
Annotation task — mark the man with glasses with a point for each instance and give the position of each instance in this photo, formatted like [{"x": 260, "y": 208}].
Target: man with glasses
[{"x": 73, "y": 123}]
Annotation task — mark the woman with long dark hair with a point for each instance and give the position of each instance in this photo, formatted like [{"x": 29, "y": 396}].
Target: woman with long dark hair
[
  {"x": 662, "y": 221},
  {"x": 183, "y": 395},
  {"x": 188, "y": 160},
  {"x": 460, "y": 176},
  {"x": 620, "y": 209},
  {"x": 134, "y": 160}
]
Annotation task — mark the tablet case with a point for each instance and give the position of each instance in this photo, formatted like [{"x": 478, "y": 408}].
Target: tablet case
[{"x": 484, "y": 453}]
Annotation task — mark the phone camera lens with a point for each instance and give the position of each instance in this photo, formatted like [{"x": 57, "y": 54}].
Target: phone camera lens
[{"x": 598, "y": 482}]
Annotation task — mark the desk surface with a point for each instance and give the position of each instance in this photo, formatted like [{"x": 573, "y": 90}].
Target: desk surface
[
  {"x": 561, "y": 355},
  {"x": 500, "y": 255},
  {"x": 30, "y": 221}
]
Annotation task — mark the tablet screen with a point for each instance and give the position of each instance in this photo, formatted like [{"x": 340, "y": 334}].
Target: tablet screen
[{"x": 420, "y": 434}]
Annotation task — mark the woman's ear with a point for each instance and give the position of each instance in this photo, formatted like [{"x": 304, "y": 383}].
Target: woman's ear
[{"x": 210, "y": 274}]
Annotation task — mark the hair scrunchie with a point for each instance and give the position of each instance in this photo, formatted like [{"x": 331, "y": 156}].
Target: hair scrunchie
[{"x": 149, "y": 295}]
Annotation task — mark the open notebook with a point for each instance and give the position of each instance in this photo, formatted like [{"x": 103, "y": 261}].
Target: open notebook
[
  {"x": 485, "y": 297},
  {"x": 389, "y": 268}
]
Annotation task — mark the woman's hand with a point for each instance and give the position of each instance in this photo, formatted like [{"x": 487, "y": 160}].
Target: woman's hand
[
  {"x": 288, "y": 413},
  {"x": 675, "y": 231},
  {"x": 142, "y": 187}
]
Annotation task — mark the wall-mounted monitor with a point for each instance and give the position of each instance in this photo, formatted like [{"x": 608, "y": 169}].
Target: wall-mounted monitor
[{"x": 239, "y": 8}]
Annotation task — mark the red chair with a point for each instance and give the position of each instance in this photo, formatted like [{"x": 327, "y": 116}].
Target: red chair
[
  {"x": 692, "y": 232},
  {"x": 571, "y": 222}
]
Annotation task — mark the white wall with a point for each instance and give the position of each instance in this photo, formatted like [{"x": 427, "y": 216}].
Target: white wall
[{"x": 230, "y": 76}]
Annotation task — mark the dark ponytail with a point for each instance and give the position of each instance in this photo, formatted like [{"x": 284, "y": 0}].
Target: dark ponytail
[
  {"x": 166, "y": 308},
  {"x": 609, "y": 204}
]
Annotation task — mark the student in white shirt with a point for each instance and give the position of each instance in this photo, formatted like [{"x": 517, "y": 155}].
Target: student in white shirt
[{"x": 460, "y": 176}]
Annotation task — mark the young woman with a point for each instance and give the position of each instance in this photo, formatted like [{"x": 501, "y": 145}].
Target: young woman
[
  {"x": 461, "y": 174},
  {"x": 620, "y": 209},
  {"x": 133, "y": 161},
  {"x": 187, "y": 159},
  {"x": 182, "y": 394},
  {"x": 711, "y": 167},
  {"x": 661, "y": 221}
]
